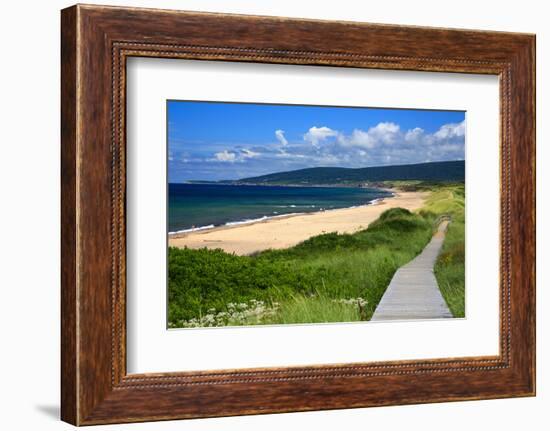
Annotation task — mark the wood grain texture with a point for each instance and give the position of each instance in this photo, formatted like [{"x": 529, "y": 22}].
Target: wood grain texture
[
  {"x": 96, "y": 41},
  {"x": 69, "y": 397}
]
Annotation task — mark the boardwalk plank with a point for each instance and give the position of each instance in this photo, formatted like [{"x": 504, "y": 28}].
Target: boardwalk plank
[{"x": 413, "y": 292}]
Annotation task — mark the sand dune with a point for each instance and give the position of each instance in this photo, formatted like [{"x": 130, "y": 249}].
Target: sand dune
[{"x": 288, "y": 231}]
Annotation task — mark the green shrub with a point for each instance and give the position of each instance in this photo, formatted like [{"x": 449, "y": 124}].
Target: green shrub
[
  {"x": 308, "y": 282},
  {"x": 320, "y": 270}
]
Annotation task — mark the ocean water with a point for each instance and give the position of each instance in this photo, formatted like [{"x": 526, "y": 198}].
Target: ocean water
[{"x": 202, "y": 206}]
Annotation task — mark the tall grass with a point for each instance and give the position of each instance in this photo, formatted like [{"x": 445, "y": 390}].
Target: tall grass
[
  {"x": 327, "y": 278},
  {"x": 450, "y": 266},
  {"x": 316, "y": 309},
  {"x": 306, "y": 281}
]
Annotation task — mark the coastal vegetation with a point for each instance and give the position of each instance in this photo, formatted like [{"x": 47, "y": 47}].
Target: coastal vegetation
[
  {"x": 327, "y": 278},
  {"x": 450, "y": 265}
]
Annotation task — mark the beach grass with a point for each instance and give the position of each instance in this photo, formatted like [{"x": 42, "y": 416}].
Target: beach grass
[
  {"x": 327, "y": 278},
  {"x": 311, "y": 276},
  {"x": 450, "y": 266},
  {"x": 319, "y": 308}
]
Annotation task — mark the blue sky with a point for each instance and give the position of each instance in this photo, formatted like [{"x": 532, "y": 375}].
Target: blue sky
[{"x": 216, "y": 140}]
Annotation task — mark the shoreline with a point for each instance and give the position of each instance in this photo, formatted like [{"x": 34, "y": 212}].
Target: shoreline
[
  {"x": 235, "y": 224},
  {"x": 287, "y": 230}
]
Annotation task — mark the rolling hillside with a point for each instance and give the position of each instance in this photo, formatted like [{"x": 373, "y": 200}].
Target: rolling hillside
[{"x": 433, "y": 171}]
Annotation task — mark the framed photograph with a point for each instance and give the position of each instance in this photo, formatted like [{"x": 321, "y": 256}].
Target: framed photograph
[{"x": 264, "y": 214}]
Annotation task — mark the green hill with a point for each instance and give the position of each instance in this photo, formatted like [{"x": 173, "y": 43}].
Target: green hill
[{"x": 433, "y": 171}]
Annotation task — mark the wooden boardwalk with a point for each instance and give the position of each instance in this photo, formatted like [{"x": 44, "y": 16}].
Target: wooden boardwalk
[{"x": 413, "y": 292}]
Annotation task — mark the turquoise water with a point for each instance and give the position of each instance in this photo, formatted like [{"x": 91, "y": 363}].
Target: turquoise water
[{"x": 196, "y": 206}]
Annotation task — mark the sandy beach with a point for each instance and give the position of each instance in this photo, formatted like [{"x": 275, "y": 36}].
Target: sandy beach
[{"x": 287, "y": 231}]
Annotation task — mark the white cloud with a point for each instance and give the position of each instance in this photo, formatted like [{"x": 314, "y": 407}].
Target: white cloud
[
  {"x": 452, "y": 130},
  {"x": 381, "y": 134},
  {"x": 248, "y": 154},
  {"x": 384, "y": 143},
  {"x": 414, "y": 135},
  {"x": 358, "y": 138},
  {"x": 386, "y": 133},
  {"x": 280, "y": 135},
  {"x": 231, "y": 156},
  {"x": 318, "y": 134},
  {"x": 225, "y": 156},
  {"x": 449, "y": 138}
]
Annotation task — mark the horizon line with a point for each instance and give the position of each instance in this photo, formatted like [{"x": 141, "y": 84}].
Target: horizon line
[{"x": 322, "y": 167}]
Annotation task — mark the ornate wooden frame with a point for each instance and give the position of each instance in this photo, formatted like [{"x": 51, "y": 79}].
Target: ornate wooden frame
[{"x": 95, "y": 42}]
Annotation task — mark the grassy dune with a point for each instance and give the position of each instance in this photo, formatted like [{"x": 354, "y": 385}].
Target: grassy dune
[
  {"x": 449, "y": 268},
  {"x": 328, "y": 278}
]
